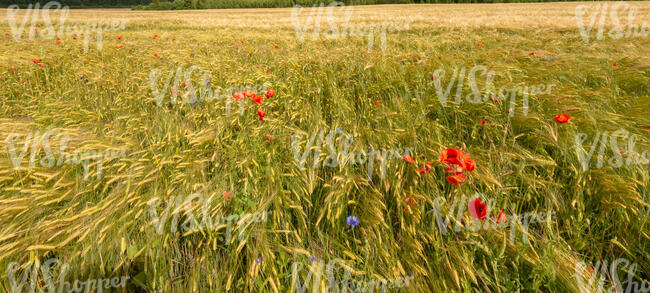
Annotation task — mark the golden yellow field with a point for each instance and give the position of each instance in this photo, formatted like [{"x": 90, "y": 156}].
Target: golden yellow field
[{"x": 119, "y": 148}]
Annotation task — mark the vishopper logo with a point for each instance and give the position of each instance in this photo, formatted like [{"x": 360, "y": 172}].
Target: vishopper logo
[
  {"x": 601, "y": 272},
  {"x": 603, "y": 141},
  {"x": 627, "y": 27},
  {"x": 50, "y": 32},
  {"x": 35, "y": 141},
  {"x": 338, "y": 144},
  {"x": 480, "y": 216},
  {"x": 491, "y": 93},
  {"x": 191, "y": 223},
  {"x": 337, "y": 10},
  {"x": 342, "y": 285},
  {"x": 47, "y": 283},
  {"x": 180, "y": 81}
]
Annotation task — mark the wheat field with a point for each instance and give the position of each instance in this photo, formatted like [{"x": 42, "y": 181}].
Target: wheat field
[{"x": 108, "y": 171}]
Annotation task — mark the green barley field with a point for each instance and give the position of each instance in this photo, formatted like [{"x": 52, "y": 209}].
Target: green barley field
[{"x": 386, "y": 148}]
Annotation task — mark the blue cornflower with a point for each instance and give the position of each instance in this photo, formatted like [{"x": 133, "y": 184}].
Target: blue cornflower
[
  {"x": 352, "y": 221},
  {"x": 339, "y": 128},
  {"x": 192, "y": 55},
  {"x": 312, "y": 258},
  {"x": 208, "y": 80}
]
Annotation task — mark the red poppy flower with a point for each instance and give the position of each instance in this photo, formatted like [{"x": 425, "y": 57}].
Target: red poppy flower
[
  {"x": 480, "y": 44},
  {"x": 450, "y": 156},
  {"x": 74, "y": 38},
  {"x": 455, "y": 55},
  {"x": 269, "y": 137},
  {"x": 408, "y": 159},
  {"x": 227, "y": 195},
  {"x": 477, "y": 209},
  {"x": 14, "y": 68},
  {"x": 425, "y": 168},
  {"x": 377, "y": 102},
  {"x": 184, "y": 84},
  {"x": 36, "y": 61},
  {"x": 465, "y": 162},
  {"x": 119, "y": 38},
  {"x": 6, "y": 34},
  {"x": 531, "y": 53},
  {"x": 58, "y": 42},
  {"x": 238, "y": 96},
  {"x": 456, "y": 179},
  {"x": 614, "y": 64},
  {"x": 469, "y": 165},
  {"x": 269, "y": 94},
  {"x": 261, "y": 114},
  {"x": 562, "y": 118},
  {"x": 258, "y": 99},
  {"x": 118, "y": 46},
  {"x": 646, "y": 128},
  {"x": 267, "y": 72},
  {"x": 173, "y": 39},
  {"x": 41, "y": 65},
  {"x": 493, "y": 99},
  {"x": 483, "y": 122},
  {"x": 155, "y": 54},
  {"x": 501, "y": 217},
  {"x": 249, "y": 93},
  {"x": 277, "y": 47},
  {"x": 155, "y": 36}
]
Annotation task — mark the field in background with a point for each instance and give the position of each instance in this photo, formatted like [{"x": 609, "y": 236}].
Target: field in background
[{"x": 102, "y": 226}]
